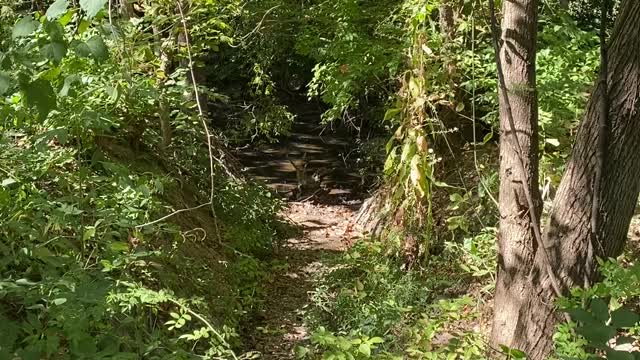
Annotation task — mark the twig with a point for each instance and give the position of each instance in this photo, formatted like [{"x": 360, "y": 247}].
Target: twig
[
  {"x": 202, "y": 120},
  {"x": 246, "y": 36},
  {"x": 172, "y": 214},
  {"x": 207, "y": 324},
  {"x": 535, "y": 224}
]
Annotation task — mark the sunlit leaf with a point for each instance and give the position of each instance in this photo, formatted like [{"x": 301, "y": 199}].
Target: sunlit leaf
[
  {"x": 92, "y": 7},
  {"x": 24, "y": 27},
  {"x": 56, "y": 9}
]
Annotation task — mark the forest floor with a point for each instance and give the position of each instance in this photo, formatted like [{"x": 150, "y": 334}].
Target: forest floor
[
  {"x": 327, "y": 230},
  {"x": 324, "y": 214}
]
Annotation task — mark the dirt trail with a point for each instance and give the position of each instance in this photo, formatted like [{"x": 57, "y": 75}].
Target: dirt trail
[
  {"x": 327, "y": 231},
  {"x": 325, "y": 218}
]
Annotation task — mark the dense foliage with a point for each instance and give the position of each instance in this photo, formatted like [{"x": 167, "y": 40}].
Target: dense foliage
[{"x": 114, "y": 119}]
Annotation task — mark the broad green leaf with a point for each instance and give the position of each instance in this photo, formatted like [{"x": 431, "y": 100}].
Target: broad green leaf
[
  {"x": 84, "y": 25},
  {"x": 5, "y": 82},
  {"x": 39, "y": 94},
  {"x": 98, "y": 48},
  {"x": 24, "y": 27},
  {"x": 81, "y": 48},
  {"x": 365, "y": 349},
  {"x": 619, "y": 355},
  {"x": 54, "y": 51},
  {"x": 54, "y": 30},
  {"x": 56, "y": 9},
  {"x": 580, "y": 315},
  {"x": 66, "y": 18},
  {"x": 623, "y": 318},
  {"x": 92, "y": 7},
  {"x": 600, "y": 309},
  {"x": 597, "y": 334}
]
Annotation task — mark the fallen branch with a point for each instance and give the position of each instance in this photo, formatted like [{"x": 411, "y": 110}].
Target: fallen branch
[{"x": 172, "y": 214}]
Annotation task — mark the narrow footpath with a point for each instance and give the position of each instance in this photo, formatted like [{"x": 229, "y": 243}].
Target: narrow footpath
[{"x": 324, "y": 213}]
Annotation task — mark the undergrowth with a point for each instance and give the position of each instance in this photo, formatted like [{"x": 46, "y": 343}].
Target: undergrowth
[{"x": 367, "y": 307}]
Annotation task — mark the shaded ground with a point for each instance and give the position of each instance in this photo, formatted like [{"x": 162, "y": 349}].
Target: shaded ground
[
  {"x": 327, "y": 230},
  {"x": 313, "y": 162}
]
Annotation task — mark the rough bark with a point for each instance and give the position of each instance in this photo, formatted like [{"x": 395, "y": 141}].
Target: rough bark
[
  {"x": 568, "y": 238},
  {"x": 516, "y": 241}
]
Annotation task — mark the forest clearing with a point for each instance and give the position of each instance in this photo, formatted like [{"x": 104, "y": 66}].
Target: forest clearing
[{"x": 312, "y": 179}]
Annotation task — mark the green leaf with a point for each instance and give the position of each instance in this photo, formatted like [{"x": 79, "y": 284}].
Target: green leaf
[
  {"x": 5, "y": 82},
  {"x": 39, "y": 94},
  {"x": 25, "y": 282},
  {"x": 119, "y": 246},
  {"x": 619, "y": 355},
  {"x": 365, "y": 349},
  {"x": 6, "y": 182},
  {"x": 89, "y": 233},
  {"x": 600, "y": 309},
  {"x": 84, "y": 25},
  {"x": 59, "y": 301},
  {"x": 376, "y": 340},
  {"x": 553, "y": 142},
  {"x": 54, "y": 51},
  {"x": 54, "y": 30},
  {"x": 98, "y": 48},
  {"x": 301, "y": 352},
  {"x": 487, "y": 138},
  {"x": 24, "y": 27},
  {"x": 68, "y": 81},
  {"x": 81, "y": 48},
  {"x": 623, "y": 318},
  {"x": 391, "y": 113},
  {"x": 580, "y": 315},
  {"x": 92, "y": 7},
  {"x": 66, "y": 18},
  {"x": 597, "y": 334},
  {"x": 56, "y": 9}
]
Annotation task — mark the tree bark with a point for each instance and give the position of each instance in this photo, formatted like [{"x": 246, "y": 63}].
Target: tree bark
[
  {"x": 568, "y": 240},
  {"x": 516, "y": 241}
]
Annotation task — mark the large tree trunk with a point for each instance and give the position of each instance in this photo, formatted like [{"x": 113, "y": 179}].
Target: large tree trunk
[
  {"x": 568, "y": 239},
  {"x": 516, "y": 241}
]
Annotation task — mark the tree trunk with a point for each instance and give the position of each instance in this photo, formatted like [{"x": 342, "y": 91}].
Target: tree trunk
[
  {"x": 516, "y": 241},
  {"x": 568, "y": 238}
]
